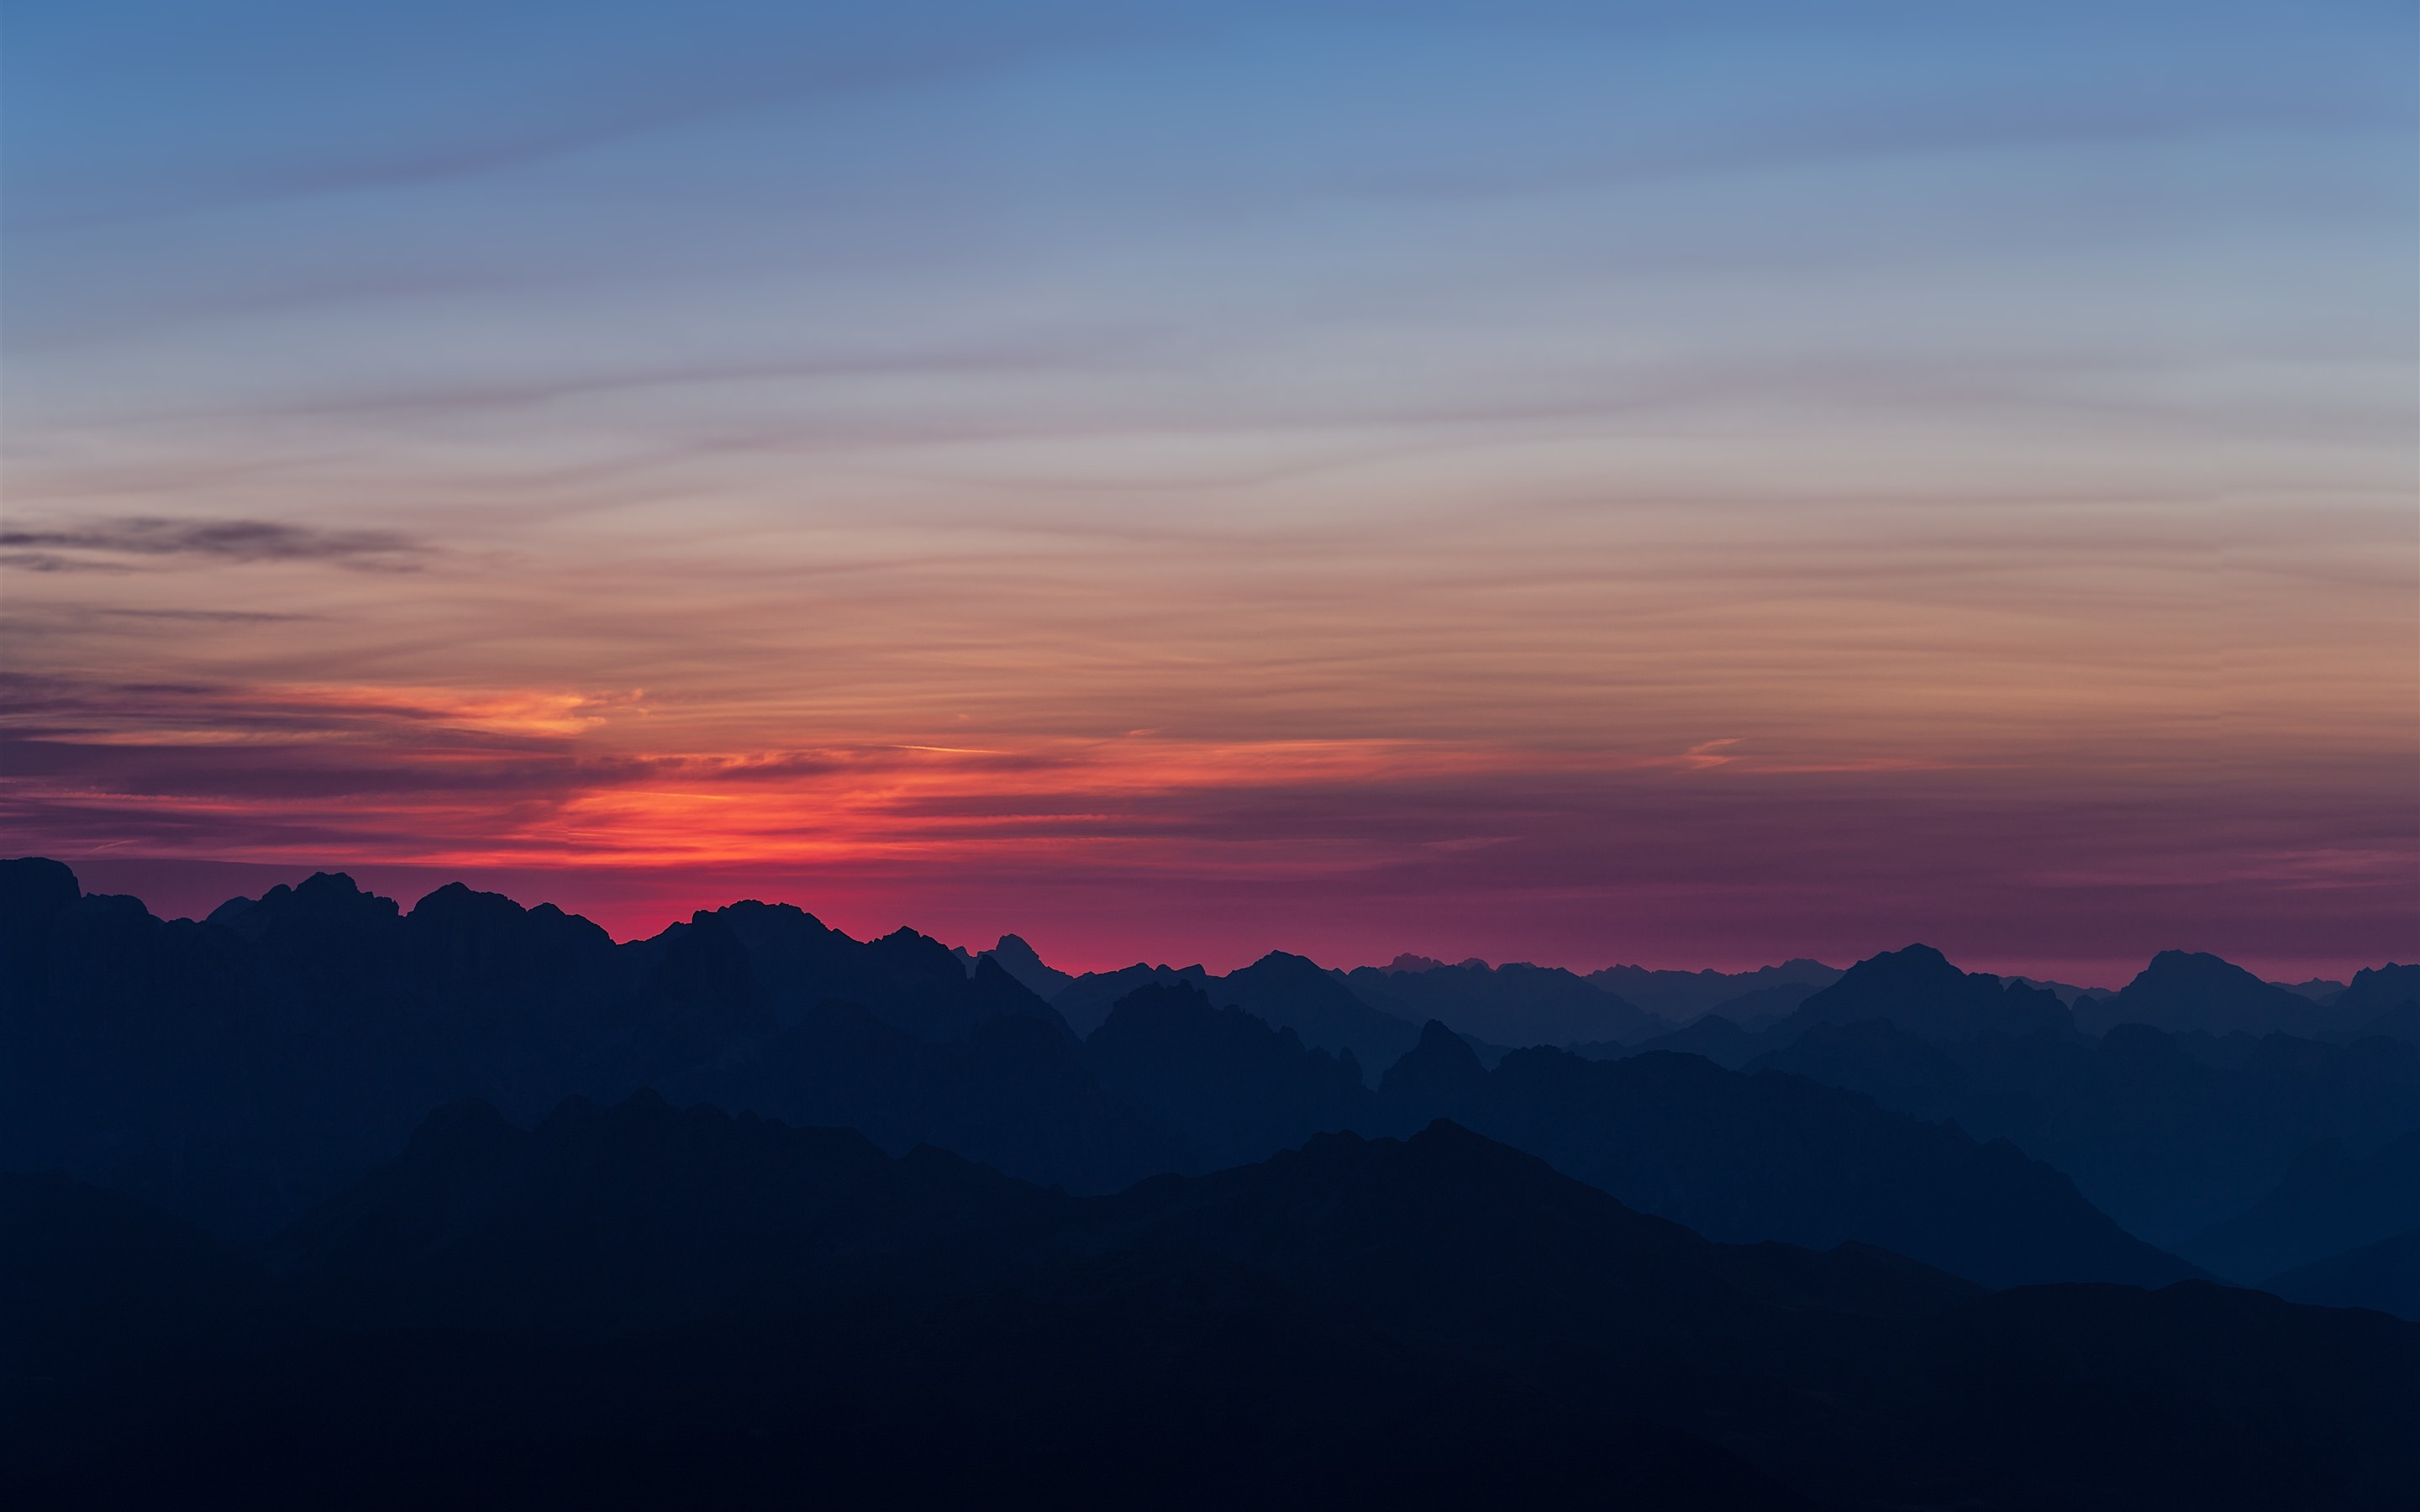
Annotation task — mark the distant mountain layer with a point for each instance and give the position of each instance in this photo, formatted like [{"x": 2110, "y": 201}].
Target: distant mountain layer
[
  {"x": 2384, "y": 1275},
  {"x": 1377, "y": 1014},
  {"x": 1743, "y": 1158},
  {"x": 238, "y": 1072},
  {"x": 1682, "y": 995},
  {"x": 1916, "y": 989},
  {"x": 2185, "y": 991},
  {"x": 753, "y": 1209},
  {"x": 2170, "y": 1132},
  {"x": 1018, "y": 959},
  {"x": 1922, "y": 993},
  {"x": 2376, "y": 990},
  {"x": 640, "y": 1305},
  {"x": 2329, "y": 1201},
  {"x": 1511, "y": 1005}
]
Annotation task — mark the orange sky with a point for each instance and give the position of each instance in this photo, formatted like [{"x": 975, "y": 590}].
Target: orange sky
[{"x": 1694, "y": 495}]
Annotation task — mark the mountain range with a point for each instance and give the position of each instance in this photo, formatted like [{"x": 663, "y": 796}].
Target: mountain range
[
  {"x": 624, "y": 1299},
  {"x": 472, "y": 1190},
  {"x": 182, "y": 1089},
  {"x": 2170, "y": 1132}
]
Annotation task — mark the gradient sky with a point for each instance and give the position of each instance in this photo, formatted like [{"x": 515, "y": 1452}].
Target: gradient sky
[{"x": 1692, "y": 485}]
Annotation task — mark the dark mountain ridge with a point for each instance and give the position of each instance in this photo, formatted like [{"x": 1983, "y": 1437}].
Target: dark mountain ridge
[
  {"x": 2383, "y": 1275},
  {"x": 2330, "y": 1200},
  {"x": 2182, "y": 991},
  {"x": 1513, "y": 1004},
  {"x": 2169, "y": 1133},
  {"x": 1770, "y": 1156},
  {"x": 240, "y": 1071},
  {"x": 1682, "y": 996},
  {"x": 1229, "y": 1085},
  {"x": 1021, "y": 961},
  {"x": 2375, "y": 989},
  {"x": 636, "y": 1302},
  {"x": 1918, "y": 990}
]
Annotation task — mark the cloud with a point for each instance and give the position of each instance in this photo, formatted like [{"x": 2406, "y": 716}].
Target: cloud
[
  {"x": 228, "y": 540},
  {"x": 208, "y": 616},
  {"x": 53, "y": 561},
  {"x": 635, "y": 80}
]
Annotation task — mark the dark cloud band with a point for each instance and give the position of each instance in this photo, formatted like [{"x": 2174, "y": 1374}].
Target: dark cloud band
[{"x": 229, "y": 540}]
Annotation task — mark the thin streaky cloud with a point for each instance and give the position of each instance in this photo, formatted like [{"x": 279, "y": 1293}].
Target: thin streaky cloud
[
  {"x": 921, "y": 56},
  {"x": 233, "y": 540},
  {"x": 209, "y": 616}
]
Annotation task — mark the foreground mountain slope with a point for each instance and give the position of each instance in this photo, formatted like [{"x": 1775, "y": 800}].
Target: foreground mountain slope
[
  {"x": 2384, "y": 1275},
  {"x": 640, "y": 1305}
]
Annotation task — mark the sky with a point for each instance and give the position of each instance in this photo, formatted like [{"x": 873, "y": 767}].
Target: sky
[{"x": 1684, "y": 484}]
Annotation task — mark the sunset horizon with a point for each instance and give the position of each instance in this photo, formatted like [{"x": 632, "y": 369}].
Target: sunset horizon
[
  {"x": 1128, "y": 753},
  {"x": 1533, "y": 486}
]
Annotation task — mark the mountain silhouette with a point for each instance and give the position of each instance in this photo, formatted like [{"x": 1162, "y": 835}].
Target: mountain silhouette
[
  {"x": 95, "y": 1285},
  {"x": 1293, "y": 991},
  {"x": 1019, "y": 1094},
  {"x": 1875, "y": 1056},
  {"x": 1683, "y": 996},
  {"x": 322, "y": 1201},
  {"x": 1019, "y": 959},
  {"x": 604, "y": 1221},
  {"x": 2384, "y": 1275},
  {"x": 640, "y": 1304},
  {"x": 1761, "y": 1008},
  {"x": 1086, "y": 1001},
  {"x": 1713, "y": 1036},
  {"x": 1918, "y": 990},
  {"x": 339, "y": 1045},
  {"x": 1515, "y": 1004},
  {"x": 2169, "y": 1133},
  {"x": 2401, "y": 1022},
  {"x": 238, "y": 1069},
  {"x": 2182, "y": 991},
  {"x": 2329, "y": 1201},
  {"x": 2375, "y": 989},
  {"x": 2379, "y": 1001},
  {"x": 1226, "y": 1083},
  {"x": 904, "y": 979},
  {"x": 1773, "y": 1157}
]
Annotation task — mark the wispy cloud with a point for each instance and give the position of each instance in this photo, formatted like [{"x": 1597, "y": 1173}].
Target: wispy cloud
[
  {"x": 226, "y": 540},
  {"x": 207, "y": 616},
  {"x": 53, "y": 561}
]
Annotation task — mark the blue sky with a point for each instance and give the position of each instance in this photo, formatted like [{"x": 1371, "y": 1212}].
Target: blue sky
[{"x": 2017, "y": 392}]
